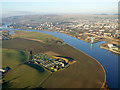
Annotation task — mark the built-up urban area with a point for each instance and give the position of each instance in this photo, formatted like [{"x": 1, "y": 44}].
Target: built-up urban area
[{"x": 89, "y": 28}]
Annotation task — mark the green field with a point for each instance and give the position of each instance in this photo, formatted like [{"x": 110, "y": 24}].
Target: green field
[
  {"x": 13, "y": 58},
  {"x": 85, "y": 73},
  {"x": 21, "y": 75},
  {"x": 45, "y": 38}
]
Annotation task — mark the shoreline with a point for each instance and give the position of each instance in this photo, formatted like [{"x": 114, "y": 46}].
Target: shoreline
[
  {"x": 104, "y": 46},
  {"x": 92, "y": 58},
  {"x": 75, "y": 37},
  {"x": 109, "y": 50},
  {"x": 66, "y": 34},
  {"x": 104, "y": 83},
  {"x": 105, "y": 80}
]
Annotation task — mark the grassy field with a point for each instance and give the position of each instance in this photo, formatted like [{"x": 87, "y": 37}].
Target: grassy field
[
  {"x": 12, "y": 58},
  {"x": 85, "y": 73},
  {"x": 35, "y": 36},
  {"x": 21, "y": 75},
  {"x": 25, "y": 76}
]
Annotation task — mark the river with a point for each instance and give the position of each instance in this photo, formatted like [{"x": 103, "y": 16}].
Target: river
[{"x": 108, "y": 59}]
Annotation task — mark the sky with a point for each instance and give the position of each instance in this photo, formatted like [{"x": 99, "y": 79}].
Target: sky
[{"x": 32, "y": 7}]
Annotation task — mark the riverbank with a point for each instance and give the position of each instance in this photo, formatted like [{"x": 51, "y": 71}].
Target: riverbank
[
  {"x": 75, "y": 76},
  {"x": 75, "y": 72},
  {"x": 116, "y": 52},
  {"x": 104, "y": 46},
  {"x": 88, "y": 41},
  {"x": 85, "y": 40},
  {"x": 104, "y": 85}
]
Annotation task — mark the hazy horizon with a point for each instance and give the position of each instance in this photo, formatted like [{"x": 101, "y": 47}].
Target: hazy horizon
[{"x": 13, "y": 8}]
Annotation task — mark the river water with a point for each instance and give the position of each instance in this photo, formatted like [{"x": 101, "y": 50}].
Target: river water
[{"x": 108, "y": 59}]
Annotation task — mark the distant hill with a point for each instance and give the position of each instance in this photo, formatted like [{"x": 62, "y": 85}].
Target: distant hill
[
  {"x": 101, "y": 14},
  {"x": 106, "y": 14}
]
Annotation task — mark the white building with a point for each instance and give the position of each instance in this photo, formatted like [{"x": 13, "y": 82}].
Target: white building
[
  {"x": 2, "y": 70},
  {"x": 63, "y": 65},
  {"x": 112, "y": 46},
  {"x": 102, "y": 30}
]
